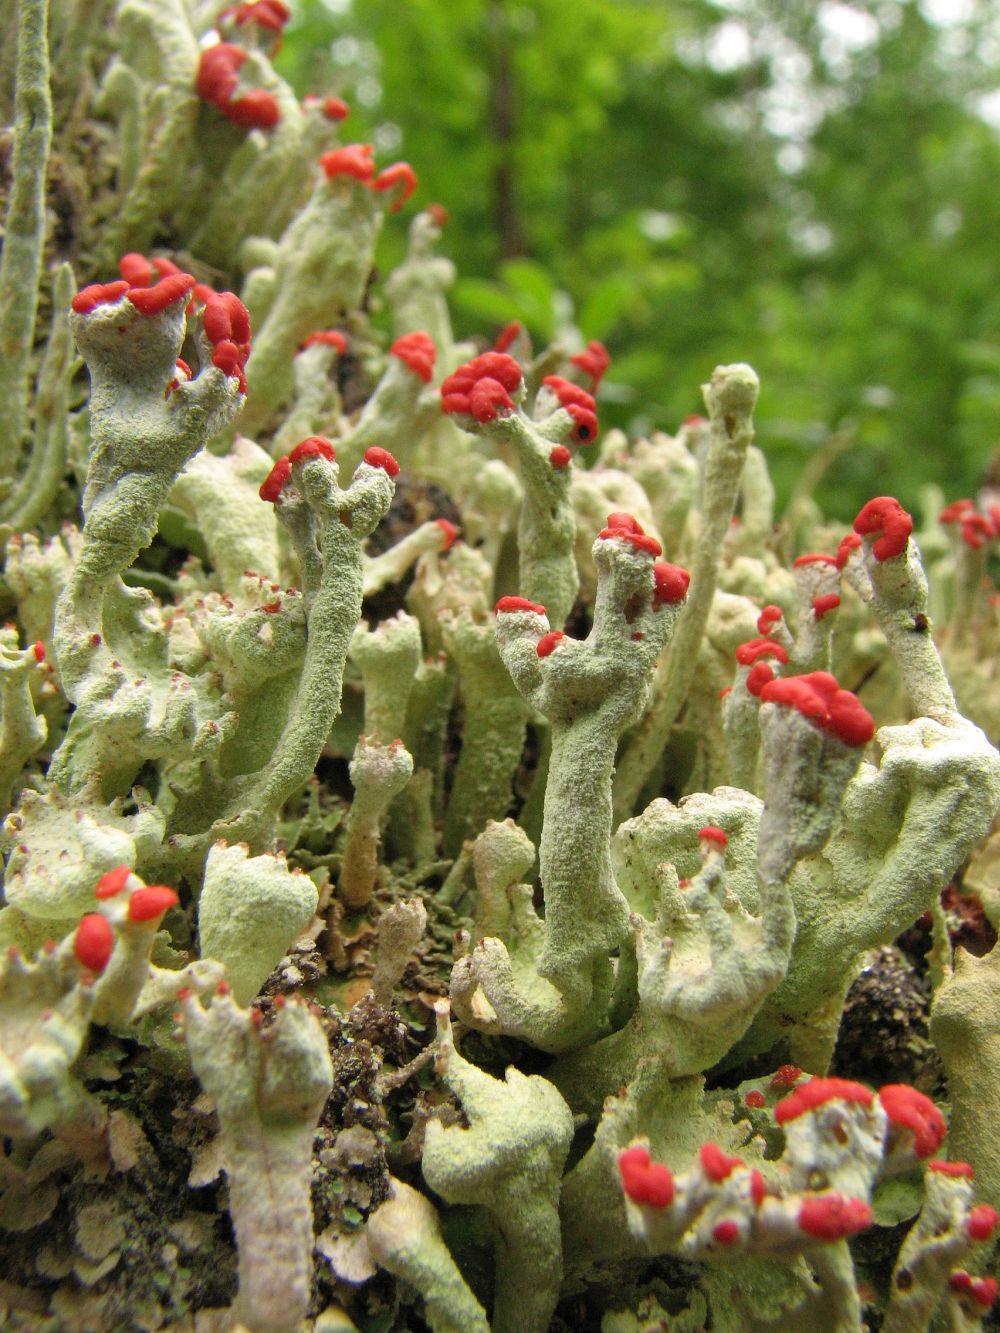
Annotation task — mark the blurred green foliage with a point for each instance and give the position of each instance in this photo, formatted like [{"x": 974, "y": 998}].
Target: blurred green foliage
[{"x": 809, "y": 187}]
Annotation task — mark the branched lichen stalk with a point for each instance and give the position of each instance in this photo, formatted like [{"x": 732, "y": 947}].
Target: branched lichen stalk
[
  {"x": 24, "y": 229},
  {"x": 730, "y": 398}
]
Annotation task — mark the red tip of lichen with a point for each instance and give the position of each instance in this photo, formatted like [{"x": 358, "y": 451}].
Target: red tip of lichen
[
  {"x": 726, "y": 1232},
  {"x": 326, "y": 338},
  {"x": 38, "y": 650},
  {"x": 755, "y": 1098},
  {"x": 450, "y": 533},
  {"x": 593, "y": 361},
  {"x": 983, "y": 1290},
  {"x": 819, "y": 698},
  {"x": 508, "y": 334},
  {"x": 813, "y": 559},
  {"x": 712, "y": 833},
  {"x": 400, "y": 173},
  {"x": 754, "y": 649},
  {"x": 981, "y": 1222},
  {"x": 909, "y": 1109},
  {"x": 644, "y": 1181},
  {"x": 670, "y": 583},
  {"x": 163, "y": 294},
  {"x": 549, "y": 642},
  {"x": 817, "y": 1092},
  {"x": 98, "y": 293},
  {"x": 785, "y": 1076},
  {"x": 272, "y": 484},
  {"x": 834, "y": 1216},
  {"x": 848, "y": 544},
  {"x": 628, "y": 529},
  {"x": 759, "y": 675},
  {"x": 255, "y": 110},
  {"x": 715, "y": 1164},
  {"x": 507, "y": 605},
  {"x": 94, "y": 942},
  {"x": 826, "y": 602},
  {"x": 112, "y": 882},
  {"x": 335, "y": 108},
  {"x": 417, "y": 351},
  {"x": 353, "y": 160},
  {"x": 885, "y": 519},
  {"x": 381, "y": 458},
  {"x": 768, "y": 618},
  {"x": 578, "y": 403},
  {"x": 559, "y": 456},
  {"x": 315, "y": 446},
  {"x": 953, "y": 1169},
  {"x": 956, "y": 511},
  {"x": 150, "y": 903}
]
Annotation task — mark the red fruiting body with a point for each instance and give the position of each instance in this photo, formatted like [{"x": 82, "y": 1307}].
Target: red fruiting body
[
  {"x": 450, "y": 533},
  {"x": 548, "y": 642},
  {"x": 817, "y": 1092},
  {"x": 953, "y": 1169},
  {"x": 594, "y": 361},
  {"x": 400, "y": 173},
  {"x": 578, "y": 403},
  {"x": 438, "y": 214},
  {"x": 726, "y": 1232},
  {"x": 759, "y": 675},
  {"x": 670, "y": 584},
  {"x": 217, "y": 80},
  {"x": 506, "y": 605},
  {"x": 165, "y": 293},
  {"x": 848, "y": 544},
  {"x": 335, "y": 109},
  {"x": 828, "y": 601},
  {"x": 255, "y": 110},
  {"x": 628, "y": 529},
  {"x": 981, "y": 1222},
  {"x": 909, "y": 1109},
  {"x": 758, "y": 1188},
  {"x": 136, "y": 269},
  {"x": 112, "y": 882},
  {"x": 813, "y": 559},
  {"x": 94, "y": 942},
  {"x": 755, "y": 1098},
  {"x": 38, "y": 649},
  {"x": 376, "y": 457},
  {"x": 834, "y": 1216},
  {"x": 559, "y": 456},
  {"x": 228, "y": 358},
  {"x": 354, "y": 160},
  {"x": 272, "y": 484},
  {"x": 183, "y": 367},
  {"x": 417, "y": 351},
  {"x": 885, "y": 519},
  {"x": 710, "y": 833},
  {"x": 271, "y": 14},
  {"x": 464, "y": 391},
  {"x": 98, "y": 293},
  {"x": 819, "y": 698},
  {"x": 956, "y": 511},
  {"x": 226, "y": 319},
  {"x": 715, "y": 1164},
  {"x": 754, "y": 649},
  {"x": 316, "y": 446},
  {"x": 977, "y": 529},
  {"x": 786, "y": 1076},
  {"x": 327, "y": 337},
  {"x": 486, "y": 398},
  {"x": 644, "y": 1181},
  {"x": 627, "y": 522},
  {"x": 508, "y": 334},
  {"x": 768, "y": 618},
  {"x": 983, "y": 1290},
  {"x": 149, "y": 904}
]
